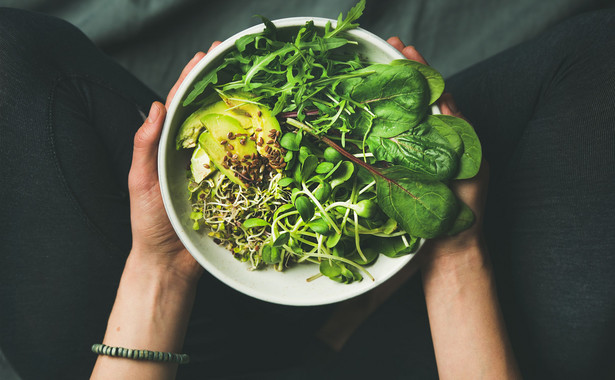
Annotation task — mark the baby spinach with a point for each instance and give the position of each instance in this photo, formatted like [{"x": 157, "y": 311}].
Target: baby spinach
[
  {"x": 433, "y": 77},
  {"x": 463, "y": 221},
  {"x": 422, "y": 208},
  {"x": 470, "y": 160},
  {"x": 397, "y": 96},
  {"x": 422, "y": 151},
  {"x": 393, "y": 246}
]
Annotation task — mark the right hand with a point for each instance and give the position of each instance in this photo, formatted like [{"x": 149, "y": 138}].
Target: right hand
[{"x": 471, "y": 191}]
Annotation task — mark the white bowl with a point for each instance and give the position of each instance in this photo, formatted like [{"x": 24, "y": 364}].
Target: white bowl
[{"x": 289, "y": 287}]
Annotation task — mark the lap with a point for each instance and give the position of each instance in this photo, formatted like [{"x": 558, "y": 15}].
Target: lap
[
  {"x": 545, "y": 114},
  {"x": 66, "y": 145}
]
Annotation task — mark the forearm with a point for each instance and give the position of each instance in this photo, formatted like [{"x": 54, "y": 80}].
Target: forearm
[
  {"x": 151, "y": 312},
  {"x": 468, "y": 331}
]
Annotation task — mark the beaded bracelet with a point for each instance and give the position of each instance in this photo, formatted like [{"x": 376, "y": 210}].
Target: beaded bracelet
[{"x": 129, "y": 353}]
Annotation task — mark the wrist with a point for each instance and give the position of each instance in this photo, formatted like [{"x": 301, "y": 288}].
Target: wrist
[
  {"x": 451, "y": 267},
  {"x": 178, "y": 268},
  {"x": 151, "y": 310}
]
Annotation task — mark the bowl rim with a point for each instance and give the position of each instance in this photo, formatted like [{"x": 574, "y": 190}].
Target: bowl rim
[{"x": 216, "y": 53}]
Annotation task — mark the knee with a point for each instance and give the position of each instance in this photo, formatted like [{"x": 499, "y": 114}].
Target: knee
[
  {"x": 30, "y": 35},
  {"x": 588, "y": 37}
]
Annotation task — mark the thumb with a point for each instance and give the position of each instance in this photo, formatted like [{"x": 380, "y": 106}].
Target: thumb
[{"x": 145, "y": 152}]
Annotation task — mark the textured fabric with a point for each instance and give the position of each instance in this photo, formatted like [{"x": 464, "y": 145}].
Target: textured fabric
[
  {"x": 544, "y": 112},
  {"x": 68, "y": 115},
  {"x": 154, "y": 39}
]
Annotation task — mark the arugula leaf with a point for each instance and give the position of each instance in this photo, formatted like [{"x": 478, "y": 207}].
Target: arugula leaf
[
  {"x": 200, "y": 86},
  {"x": 270, "y": 29},
  {"x": 344, "y": 24},
  {"x": 242, "y": 43}
]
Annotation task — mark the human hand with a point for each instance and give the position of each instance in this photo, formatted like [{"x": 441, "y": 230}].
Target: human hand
[
  {"x": 470, "y": 191},
  {"x": 155, "y": 244}
]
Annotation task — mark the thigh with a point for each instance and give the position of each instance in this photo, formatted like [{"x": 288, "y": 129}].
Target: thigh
[
  {"x": 68, "y": 118},
  {"x": 545, "y": 113},
  {"x": 69, "y": 115}
]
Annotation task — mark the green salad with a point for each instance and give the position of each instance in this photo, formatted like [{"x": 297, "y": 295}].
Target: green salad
[{"x": 304, "y": 152}]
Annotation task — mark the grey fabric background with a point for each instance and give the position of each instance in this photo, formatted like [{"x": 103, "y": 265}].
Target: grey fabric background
[{"x": 153, "y": 39}]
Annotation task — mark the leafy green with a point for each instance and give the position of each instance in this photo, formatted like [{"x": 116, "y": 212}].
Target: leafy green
[
  {"x": 423, "y": 209},
  {"x": 397, "y": 97},
  {"x": 422, "y": 151},
  {"x": 393, "y": 247},
  {"x": 433, "y": 77},
  {"x": 464, "y": 220},
  {"x": 344, "y": 24},
  {"x": 369, "y": 177},
  {"x": 469, "y": 164},
  {"x": 200, "y": 86}
]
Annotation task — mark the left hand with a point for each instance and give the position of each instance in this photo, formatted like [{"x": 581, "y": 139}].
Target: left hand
[{"x": 155, "y": 244}]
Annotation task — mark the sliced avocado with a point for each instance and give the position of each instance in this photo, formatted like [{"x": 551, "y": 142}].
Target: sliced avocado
[
  {"x": 200, "y": 165},
  {"x": 265, "y": 127},
  {"x": 228, "y": 146},
  {"x": 191, "y": 128}
]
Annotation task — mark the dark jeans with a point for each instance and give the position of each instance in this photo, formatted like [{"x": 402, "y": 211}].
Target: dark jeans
[{"x": 545, "y": 112}]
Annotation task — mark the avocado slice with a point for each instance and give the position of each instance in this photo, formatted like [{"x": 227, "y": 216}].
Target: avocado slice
[
  {"x": 265, "y": 128},
  {"x": 230, "y": 149},
  {"x": 193, "y": 126},
  {"x": 200, "y": 165}
]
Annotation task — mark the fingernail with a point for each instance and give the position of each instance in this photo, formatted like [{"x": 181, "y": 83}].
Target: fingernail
[{"x": 154, "y": 112}]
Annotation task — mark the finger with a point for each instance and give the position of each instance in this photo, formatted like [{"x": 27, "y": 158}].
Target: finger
[
  {"x": 411, "y": 53},
  {"x": 213, "y": 45},
  {"x": 448, "y": 106},
  {"x": 197, "y": 57},
  {"x": 396, "y": 43},
  {"x": 143, "y": 171}
]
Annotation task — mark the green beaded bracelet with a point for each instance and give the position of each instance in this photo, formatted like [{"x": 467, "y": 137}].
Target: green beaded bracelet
[{"x": 129, "y": 353}]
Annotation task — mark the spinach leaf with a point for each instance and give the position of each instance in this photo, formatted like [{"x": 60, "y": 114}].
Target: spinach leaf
[
  {"x": 464, "y": 220},
  {"x": 470, "y": 160},
  {"x": 423, "y": 209},
  {"x": 434, "y": 78},
  {"x": 447, "y": 132},
  {"x": 422, "y": 151},
  {"x": 397, "y": 96},
  {"x": 393, "y": 246}
]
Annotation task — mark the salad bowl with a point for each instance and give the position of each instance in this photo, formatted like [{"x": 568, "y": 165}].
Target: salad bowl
[{"x": 288, "y": 287}]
